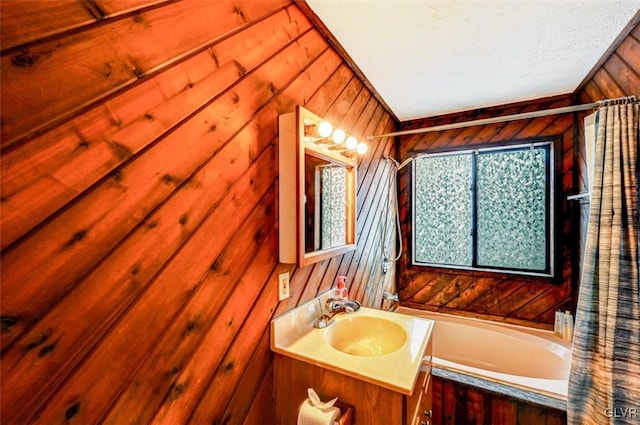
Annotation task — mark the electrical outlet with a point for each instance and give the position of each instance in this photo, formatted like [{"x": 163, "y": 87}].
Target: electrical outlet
[{"x": 283, "y": 286}]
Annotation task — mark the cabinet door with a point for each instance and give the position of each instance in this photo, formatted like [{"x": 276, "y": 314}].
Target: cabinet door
[
  {"x": 425, "y": 413},
  {"x": 414, "y": 402},
  {"x": 416, "y": 420}
]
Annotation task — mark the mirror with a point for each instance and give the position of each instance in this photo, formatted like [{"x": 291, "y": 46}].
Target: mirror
[
  {"x": 325, "y": 212},
  {"x": 317, "y": 191}
]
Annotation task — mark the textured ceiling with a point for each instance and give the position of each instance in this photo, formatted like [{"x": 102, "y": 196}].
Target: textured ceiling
[{"x": 431, "y": 57}]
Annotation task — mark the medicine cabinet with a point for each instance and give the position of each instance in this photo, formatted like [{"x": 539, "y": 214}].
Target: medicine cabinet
[{"x": 317, "y": 189}]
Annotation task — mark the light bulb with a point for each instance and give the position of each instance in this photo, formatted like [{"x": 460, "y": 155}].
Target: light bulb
[
  {"x": 351, "y": 143},
  {"x": 338, "y": 136},
  {"x": 361, "y": 148},
  {"x": 325, "y": 129}
]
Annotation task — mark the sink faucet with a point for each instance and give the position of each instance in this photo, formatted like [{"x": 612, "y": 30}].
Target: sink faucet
[{"x": 332, "y": 307}]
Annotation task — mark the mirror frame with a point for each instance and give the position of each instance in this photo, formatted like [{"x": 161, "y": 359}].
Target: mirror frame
[{"x": 293, "y": 146}]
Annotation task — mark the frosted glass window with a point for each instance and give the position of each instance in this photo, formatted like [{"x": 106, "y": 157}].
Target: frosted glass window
[
  {"x": 334, "y": 206},
  {"x": 487, "y": 209},
  {"x": 512, "y": 219},
  {"x": 443, "y": 208}
]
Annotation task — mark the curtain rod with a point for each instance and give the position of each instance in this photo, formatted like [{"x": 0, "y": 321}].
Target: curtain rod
[{"x": 493, "y": 120}]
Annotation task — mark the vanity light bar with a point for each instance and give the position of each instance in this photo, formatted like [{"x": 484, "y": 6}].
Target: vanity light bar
[
  {"x": 325, "y": 134},
  {"x": 325, "y": 129}
]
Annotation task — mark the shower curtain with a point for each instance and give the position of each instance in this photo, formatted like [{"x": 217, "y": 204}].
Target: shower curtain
[{"x": 604, "y": 383}]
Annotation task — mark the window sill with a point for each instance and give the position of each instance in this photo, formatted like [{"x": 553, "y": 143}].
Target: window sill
[{"x": 486, "y": 273}]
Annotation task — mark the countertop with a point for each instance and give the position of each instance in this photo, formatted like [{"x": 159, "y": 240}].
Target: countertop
[{"x": 293, "y": 335}]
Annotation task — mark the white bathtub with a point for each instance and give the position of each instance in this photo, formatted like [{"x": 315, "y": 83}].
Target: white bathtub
[{"x": 523, "y": 362}]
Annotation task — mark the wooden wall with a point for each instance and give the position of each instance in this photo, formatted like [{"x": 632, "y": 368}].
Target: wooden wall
[
  {"x": 517, "y": 299},
  {"x": 619, "y": 74},
  {"x": 458, "y": 404},
  {"x": 139, "y": 219}
]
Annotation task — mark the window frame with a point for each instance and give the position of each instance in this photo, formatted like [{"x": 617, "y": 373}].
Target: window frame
[{"x": 553, "y": 213}]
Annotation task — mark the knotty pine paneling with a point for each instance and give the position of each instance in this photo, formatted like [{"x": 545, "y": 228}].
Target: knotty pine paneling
[
  {"x": 619, "y": 75},
  {"x": 458, "y": 404},
  {"x": 502, "y": 297},
  {"x": 139, "y": 220},
  {"x": 48, "y": 18}
]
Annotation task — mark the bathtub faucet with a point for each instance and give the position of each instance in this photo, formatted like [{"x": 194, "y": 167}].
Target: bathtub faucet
[{"x": 332, "y": 307}]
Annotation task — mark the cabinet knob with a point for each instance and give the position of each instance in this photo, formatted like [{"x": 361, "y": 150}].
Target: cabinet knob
[{"x": 427, "y": 413}]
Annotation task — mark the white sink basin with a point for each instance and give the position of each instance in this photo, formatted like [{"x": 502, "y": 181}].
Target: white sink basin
[{"x": 366, "y": 336}]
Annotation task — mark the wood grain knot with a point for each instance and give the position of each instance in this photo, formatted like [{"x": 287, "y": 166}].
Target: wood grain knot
[
  {"x": 215, "y": 266},
  {"x": 117, "y": 176},
  {"x": 240, "y": 13},
  {"x": 72, "y": 411},
  {"x": 214, "y": 57},
  {"x": 138, "y": 73},
  {"x": 241, "y": 69},
  {"x": 38, "y": 342},
  {"x": 77, "y": 237},
  {"x": 7, "y": 322},
  {"x": 24, "y": 60},
  {"x": 178, "y": 388},
  {"x": 46, "y": 350}
]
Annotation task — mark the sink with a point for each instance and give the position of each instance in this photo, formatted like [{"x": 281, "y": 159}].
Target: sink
[
  {"x": 366, "y": 336},
  {"x": 381, "y": 347}
]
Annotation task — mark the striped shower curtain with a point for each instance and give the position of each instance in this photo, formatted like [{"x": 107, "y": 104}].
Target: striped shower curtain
[{"x": 604, "y": 383}]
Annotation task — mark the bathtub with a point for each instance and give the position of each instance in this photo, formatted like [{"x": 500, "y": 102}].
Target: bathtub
[{"x": 525, "y": 363}]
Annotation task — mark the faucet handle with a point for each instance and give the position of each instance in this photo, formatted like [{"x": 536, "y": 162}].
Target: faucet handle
[
  {"x": 322, "y": 322},
  {"x": 330, "y": 304},
  {"x": 350, "y": 306}
]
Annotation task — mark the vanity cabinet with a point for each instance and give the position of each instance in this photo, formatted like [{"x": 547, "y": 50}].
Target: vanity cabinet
[
  {"x": 373, "y": 403},
  {"x": 419, "y": 403}
]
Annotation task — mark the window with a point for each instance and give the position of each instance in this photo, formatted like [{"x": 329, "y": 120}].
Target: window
[{"x": 486, "y": 209}]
